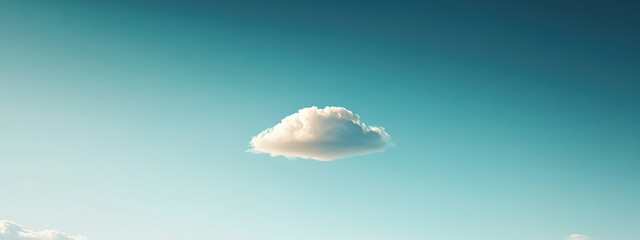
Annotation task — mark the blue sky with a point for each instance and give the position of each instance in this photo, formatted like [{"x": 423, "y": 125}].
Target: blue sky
[{"x": 509, "y": 121}]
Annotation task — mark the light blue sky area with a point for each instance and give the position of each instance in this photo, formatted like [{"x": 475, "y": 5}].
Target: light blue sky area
[{"x": 132, "y": 121}]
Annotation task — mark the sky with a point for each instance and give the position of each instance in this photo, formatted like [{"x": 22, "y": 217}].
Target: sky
[{"x": 508, "y": 120}]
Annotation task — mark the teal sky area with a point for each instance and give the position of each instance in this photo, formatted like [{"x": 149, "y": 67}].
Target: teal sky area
[{"x": 132, "y": 119}]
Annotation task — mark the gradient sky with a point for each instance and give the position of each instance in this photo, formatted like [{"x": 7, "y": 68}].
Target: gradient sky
[{"x": 131, "y": 120}]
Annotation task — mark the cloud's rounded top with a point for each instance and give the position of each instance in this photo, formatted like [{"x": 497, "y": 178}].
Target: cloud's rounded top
[
  {"x": 321, "y": 134},
  {"x": 13, "y": 231},
  {"x": 577, "y": 237}
]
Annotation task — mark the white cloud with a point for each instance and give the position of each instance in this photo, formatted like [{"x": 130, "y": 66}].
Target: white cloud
[
  {"x": 577, "y": 237},
  {"x": 12, "y": 231},
  {"x": 321, "y": 134}
]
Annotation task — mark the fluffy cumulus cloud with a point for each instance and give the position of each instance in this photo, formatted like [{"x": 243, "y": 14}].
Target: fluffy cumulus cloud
[
  {"x": 12, "y": 231},
  {"x": 577, "y": 237},
  {"x": 321, "y": 134}
]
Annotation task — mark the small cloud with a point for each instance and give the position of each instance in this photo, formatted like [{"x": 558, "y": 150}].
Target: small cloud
[
  {"x": 12, "y": 231},
  {"x": 577, "y": 237},
  {"x": 320, "y": 133}
]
